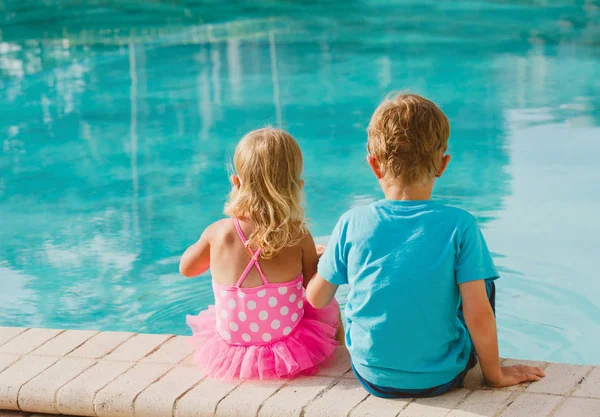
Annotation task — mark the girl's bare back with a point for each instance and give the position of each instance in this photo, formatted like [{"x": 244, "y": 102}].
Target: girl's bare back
[{"x": 229, "y": 258}]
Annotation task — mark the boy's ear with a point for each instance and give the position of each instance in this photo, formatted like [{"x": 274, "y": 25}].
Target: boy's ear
[
  {"x": 235, "y": 180},
  {"x": 445, "y": 161},
  {"x": 375, "y": 166}
]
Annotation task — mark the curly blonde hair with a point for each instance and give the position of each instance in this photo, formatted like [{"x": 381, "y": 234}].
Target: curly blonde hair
[
  {"x": 406, "y": 134},
  {"x": 269, "y": 165}
]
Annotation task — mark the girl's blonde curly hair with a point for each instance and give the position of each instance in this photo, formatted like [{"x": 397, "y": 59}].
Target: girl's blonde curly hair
[{"x": 269, "y": 164}]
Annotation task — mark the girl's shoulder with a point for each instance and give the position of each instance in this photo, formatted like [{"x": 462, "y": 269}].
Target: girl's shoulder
[
  {"x": 307, "y": 240},
  {"x": 221, "y": 225},
  {"x": 220, "y": 228}
]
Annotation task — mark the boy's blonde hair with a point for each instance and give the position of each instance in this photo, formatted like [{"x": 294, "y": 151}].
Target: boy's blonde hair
[
  {"x": 269, "y": 164},
  {"x": 406, "y": 135}
]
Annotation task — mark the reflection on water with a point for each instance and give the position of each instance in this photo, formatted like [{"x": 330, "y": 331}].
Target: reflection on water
[{"x": 118, "y": 121}]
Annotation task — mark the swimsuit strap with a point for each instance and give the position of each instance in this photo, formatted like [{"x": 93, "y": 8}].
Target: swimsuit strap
[{"x": 253, "y": 262}]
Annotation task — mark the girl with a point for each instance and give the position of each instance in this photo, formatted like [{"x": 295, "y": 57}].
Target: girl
[{"x": 261, "y": 259}]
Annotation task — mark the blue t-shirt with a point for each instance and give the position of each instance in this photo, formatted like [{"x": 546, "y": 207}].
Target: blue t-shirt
[{"x": 403, "y": 261}]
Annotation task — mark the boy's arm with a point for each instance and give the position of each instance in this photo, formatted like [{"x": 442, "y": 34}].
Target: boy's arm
[
  {"x": 320, "y": 292},
  {"x": 481, "y": 324},
  {"x": 196, "y": 259}
]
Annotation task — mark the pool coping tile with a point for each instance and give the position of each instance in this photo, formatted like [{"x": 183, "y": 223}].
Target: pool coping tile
[
  {"x": 160, "y": 397},
  {"x": 118, "y": 397},
  {"x": 101, "y": 344},
  {"x": 28, "y": 341},
  {"x": 9, "y": 333},
  {"x": 39, "y": 394},
  {"x": 137, "y": 347}
]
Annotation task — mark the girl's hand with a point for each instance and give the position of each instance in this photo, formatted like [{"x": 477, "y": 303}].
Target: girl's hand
[
  {"x": 513, "y": 375},
  {"x": 320, "y": 250}
]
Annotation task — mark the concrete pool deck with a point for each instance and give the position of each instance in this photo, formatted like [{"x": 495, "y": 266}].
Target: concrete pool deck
[{"x": 116, "y": 374}]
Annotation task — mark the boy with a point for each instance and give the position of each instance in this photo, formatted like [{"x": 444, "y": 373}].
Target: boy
[{"x": 409, "y": 263}]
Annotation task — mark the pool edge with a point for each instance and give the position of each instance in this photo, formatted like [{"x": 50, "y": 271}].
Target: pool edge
[{"x": 90, "y": 373}]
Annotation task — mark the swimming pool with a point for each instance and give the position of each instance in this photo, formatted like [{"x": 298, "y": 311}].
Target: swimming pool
[{"x": 117, "y": 122}]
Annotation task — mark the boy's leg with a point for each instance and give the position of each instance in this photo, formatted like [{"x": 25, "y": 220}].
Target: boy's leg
[
  {"x": 385, "y": 392},
  {"x": 340, "y": 336},
  {"x": 491, "y": 292}
]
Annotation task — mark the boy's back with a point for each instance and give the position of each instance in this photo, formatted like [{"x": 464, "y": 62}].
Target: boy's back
[
  {"x": 403, "y": 261},
  {"x": 410, "y": 263}
]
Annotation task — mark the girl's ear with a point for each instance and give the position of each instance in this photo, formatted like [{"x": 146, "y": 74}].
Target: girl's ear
[
  {"x": 374, "y": 164},
  {"x": 235, "y": 180},
  {"x": 301, "y": 184}
]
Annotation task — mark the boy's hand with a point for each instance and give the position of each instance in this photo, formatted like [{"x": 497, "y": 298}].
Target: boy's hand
[
  {"x": 513, "y": 375},
  {"x": 320, "y": 250},
  {"x": 481, "y": 323}
]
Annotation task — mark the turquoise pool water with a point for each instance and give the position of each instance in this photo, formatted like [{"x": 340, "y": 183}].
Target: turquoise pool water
[{"x": 117, "y": 121}]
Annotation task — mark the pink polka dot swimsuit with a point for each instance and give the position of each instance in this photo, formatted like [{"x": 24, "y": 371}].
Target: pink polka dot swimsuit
[
  {"x": 258, "y": 315},
  {"x": 264, "y": 332}
]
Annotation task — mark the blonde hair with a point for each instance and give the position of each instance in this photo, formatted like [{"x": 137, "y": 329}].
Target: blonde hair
[
  {"x": 269, "y": 164},
  {"x": 406, "y": 135}
]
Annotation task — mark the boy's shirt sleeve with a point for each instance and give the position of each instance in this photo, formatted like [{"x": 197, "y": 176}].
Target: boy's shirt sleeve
[
  {"x": 332, "y": 265},
  {"x": 473, "y": 261}
]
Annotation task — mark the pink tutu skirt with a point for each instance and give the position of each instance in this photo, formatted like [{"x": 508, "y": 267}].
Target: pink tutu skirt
[{"x": 299, "y": 353}]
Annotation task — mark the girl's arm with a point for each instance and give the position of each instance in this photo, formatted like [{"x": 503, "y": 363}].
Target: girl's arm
[
  {"x": 481, "y": 323},
  {"x": 310, "y": 258},
  {"x": 196, "y": 259}
]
